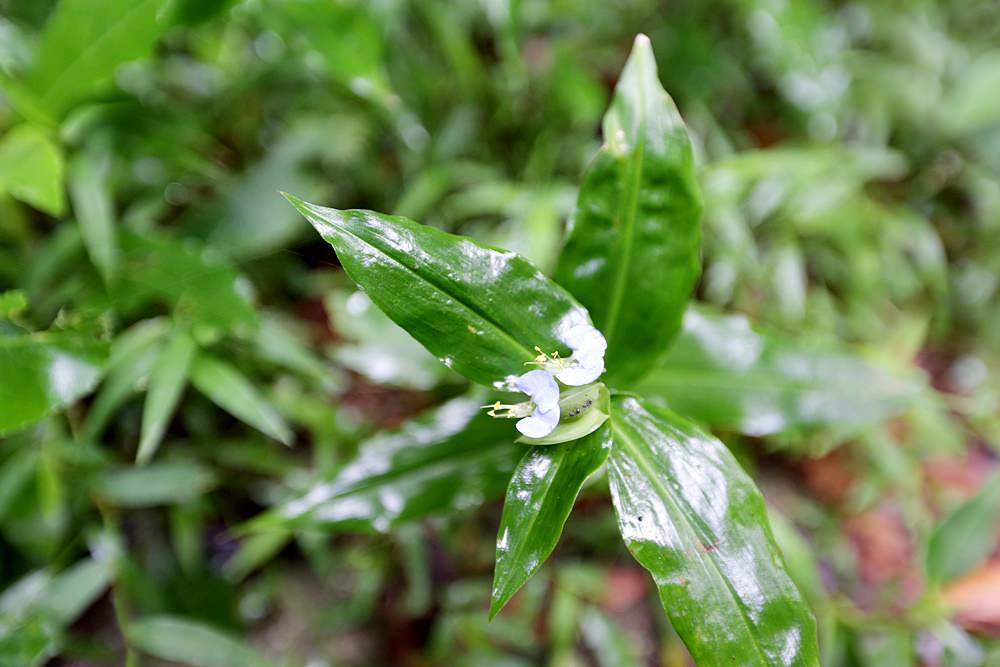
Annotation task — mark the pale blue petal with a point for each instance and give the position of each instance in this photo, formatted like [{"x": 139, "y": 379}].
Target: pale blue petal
[
  {"x": 541, "y": 387},
  {"x": 540, "y": 423}
]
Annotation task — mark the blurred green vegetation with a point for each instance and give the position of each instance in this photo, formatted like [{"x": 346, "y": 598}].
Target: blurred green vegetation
[{"x": 168, "y": 323}]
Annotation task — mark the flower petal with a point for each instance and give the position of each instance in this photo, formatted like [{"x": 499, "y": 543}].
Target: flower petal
[
  {"x": 586, "y": 340},
  {"x": 578, "y": 374},
  {"x": 541, "y": 387},
  {"x": 540, "y": 423}
]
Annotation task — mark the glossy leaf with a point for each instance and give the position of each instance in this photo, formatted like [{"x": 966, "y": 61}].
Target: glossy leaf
[
  {"x": 967, "y": 536},
  {"x": 540, "y": 497},
  {"x": 632, "y": 252},
  {"x": 445, "y": 460},
  {"x": 88, "y": 188},
  {"x": 728, "y": 375},
  {"x": 85, "y": 41},
  {"x": 191, "y": 643},
  {"x": 480, "y": 310},
  {"x": 166, "y": 382},
  {"x": 695, "y": 520},
  {"x": 42, "y": 373},
  {"x": 235, "y": 393},
  {"x": 165, "y": 483},
  {"x": 31, "y": 168}
]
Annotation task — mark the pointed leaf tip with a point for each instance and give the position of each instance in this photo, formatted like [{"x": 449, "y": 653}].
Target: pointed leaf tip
[{"x": 292, "y": 199}]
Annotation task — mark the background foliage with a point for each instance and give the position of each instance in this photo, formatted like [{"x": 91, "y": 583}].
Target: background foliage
[{"x": 168, "y": 323}]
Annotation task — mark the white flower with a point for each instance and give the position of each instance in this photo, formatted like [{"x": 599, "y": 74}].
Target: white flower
[
  {"x": 538, "y": 416},
  {"x": 587, "y": 362}
]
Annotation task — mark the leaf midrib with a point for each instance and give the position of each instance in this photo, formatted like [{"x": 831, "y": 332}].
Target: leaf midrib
[
  {"x": 458, "y": 299},
  {"x": 690, "y": 528},
  {"x": 631, "y": 209},
  {"x": 533, "y": 520}
]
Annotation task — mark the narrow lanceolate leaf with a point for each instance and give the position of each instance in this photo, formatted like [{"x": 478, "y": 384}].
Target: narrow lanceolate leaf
[
  {"x": 631, "y": 256},
  {"x": 133, "y": 355},
  {"x": 967, "y": 536},
  {"x": 192, "y": 643},
  {"x": 88, "y": 188},
  {"x": 85, "y": 41},
  {"x": 728, "y": 375},
  {"x": 478, "y": 309},
  {"x": 539, "y": 499},
  {"x": 165, "y": 483},
  {"x": 695, "y": 520},
  {"x": 42, "y": 373},
  {"x": 234, "y": 393},
  {"x": 31, "y": 168},
  {"x": 450, "y": 458},
  {"x": 166, "y": 382}
]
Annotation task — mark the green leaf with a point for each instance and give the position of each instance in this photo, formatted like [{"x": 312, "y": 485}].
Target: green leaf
[
  {"x": 75, "y": 589},
  {"x": 85, "y": 41},
  {"x": 192, "y": 643},
  {"x": 133, "y": 354},
  {"x": 347, "y": 36},
  {"x": 194, "y": 12},
  {"x": 88, "y": 188},
  {"x": 967, "y": 536},
  {"x": 31, "y": 168},
  {"x": 196, "y": 281},
  {"x": 884, "y": 646},
  {"x": 12, "y": 303},
  {"x": 24, "y": 101},
  {"x": 42, "y": 373},
  {"x": 246, "y": 220},
  {"x": 728, "y": 375},
  {"x": 166, "y": 382},
  {"x": 632, "y": 253},
  {"x": 35, "y": 610},
  {"x": 255, "y": 550},
  {"x": 234, "y": 393},
  {"x": 695, "y": 520},
  {"x": 612, "y": 646},
  {"x": 540, "y": 497},
  {"x": 377, "y": 348},
  {"x": 166, "y": 483},
  {"x": 16, "y": 473},
  {"x": 283, "y": 341},
  {"x": 445, "y": 460},
  {"x": 480, "y": 310},
  {"x": 582, "y": 411}
]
